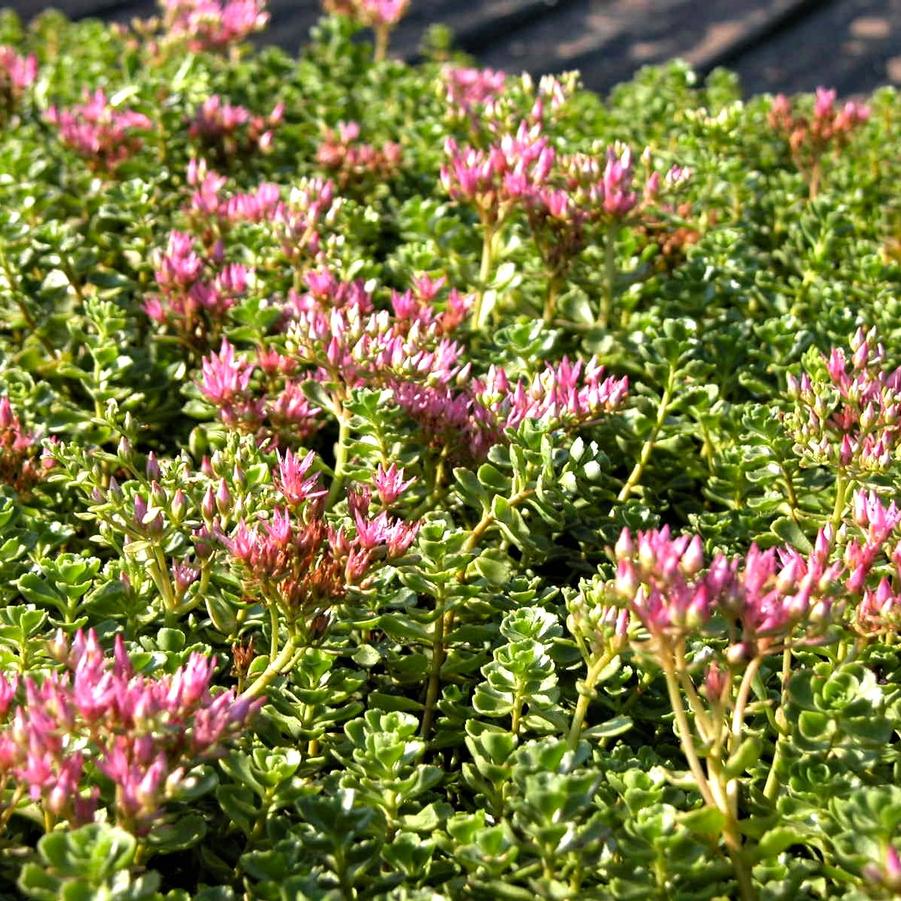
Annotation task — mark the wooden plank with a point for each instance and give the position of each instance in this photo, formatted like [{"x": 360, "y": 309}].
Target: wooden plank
[
  {"x": 608, "y": 41},
  {"x": 853, "y": 46},
  {"x": 774, "y": 44}
]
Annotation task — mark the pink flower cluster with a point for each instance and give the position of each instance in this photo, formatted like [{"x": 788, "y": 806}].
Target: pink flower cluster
[
  {"x": 471, "y": 420},
  {"x": 851, "y": 418},
  {"x": 260, "y": 396},
  {"x": 827, "y": 124},
  {"x": 195, "y": 291},
  {"x": 21, "y": 462},
  {"x": 211, "y": 24},
  {"x": 297, "y": 225},
  {"x": 234, "y": 129},
  {"x": 369, "y": 13},
  {"x": 496, "y": 179},
  {"x": 879, "y": 609},
  {"x": 352, "y": 161},
  {"x": 762, "y": 596},
  {"x": 298, "y": 560},
  {"x": 209, "y": 202},
  {"x": 810, "y": 137},
  {"x": 17, "y": 73},
  {"x": 418, "y": 305},
  {"x": 469, "y": 89},
  {"x": 98, "y": 131},
  {"x": 335, "y": 328},
  {"x": 142, "y": 733},
  {"x": 335, "y": 335},
  {"x": 562, "y": 394},
  {"x": 560, "y": 194}
]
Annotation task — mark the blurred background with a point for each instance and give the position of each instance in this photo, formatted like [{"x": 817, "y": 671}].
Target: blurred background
[{"x": 774, "y": 45}]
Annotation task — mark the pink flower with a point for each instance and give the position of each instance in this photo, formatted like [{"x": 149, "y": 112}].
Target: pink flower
[
  {"x": 767, "y": 593},
  {"x": 353, "y": 160},
  {"x": 390, "y": 484},
  {"x": 17, "y": 73},
  {"x": 853, "y": 419},
  {"x": 213, "y": 25},
  {"x": 98, "y": 131},
  {"x": 468, "y": 88},
  {"x": 225, "y": 377},
  {"x": 139, "y": 731},
  {"x": 293, "y": 480}
]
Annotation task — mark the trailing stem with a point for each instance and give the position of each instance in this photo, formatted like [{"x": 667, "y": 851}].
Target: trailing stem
[
  {"x": 842, "y": 483},
  {"x": 434, "y": 687},
  {"x": 488, "y": 519},
  {"x": 610, "y": 274},
  {"x": 648, "y": 446},
  {"x": 550, "y": 300},
  {"x": 713, "y": 790},
  {"x": 337, "y": 485},
  {"x": 586, "y": 693},
  {"x": 478, "y": 313},
  {"x": 772, "y": 780},
  {"x": 276, "y": 665},
  {"x": 382, "y": 36},
  {"x": 443, "y": 622}
]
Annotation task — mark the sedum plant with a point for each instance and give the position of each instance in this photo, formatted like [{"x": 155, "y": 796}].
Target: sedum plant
[{"x": 424, "y": 481}]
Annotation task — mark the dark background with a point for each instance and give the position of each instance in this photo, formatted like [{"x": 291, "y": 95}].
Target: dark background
[{"x": 774, "y": 45}]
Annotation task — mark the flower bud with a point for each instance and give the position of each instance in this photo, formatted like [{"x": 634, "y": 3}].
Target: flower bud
[
  {"x": 624, "y": 546},
  {"x": 626, "y": 583},
  {"x": 179, "y": 506},
  {"x": 223, "y": 498},
  {"x": 208, "y": 505},
  {"x": 124, "y": 449},
  {"x": 693, "y": 559},
  {"x": 152, "y": 467}
]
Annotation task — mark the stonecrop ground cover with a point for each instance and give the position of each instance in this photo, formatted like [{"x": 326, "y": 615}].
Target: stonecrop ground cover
[{"x": 425, "y": 482}]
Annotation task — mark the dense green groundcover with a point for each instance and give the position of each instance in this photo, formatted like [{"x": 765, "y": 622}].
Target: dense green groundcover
[{"x": 333, "y": 564}]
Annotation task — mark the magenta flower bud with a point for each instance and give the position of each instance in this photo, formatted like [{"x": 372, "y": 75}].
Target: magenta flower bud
[
  {"x": 626, "y": 583},
  {"x": 860, "y": 509},
  {"x": 223, "y": 498},
  {"x": 179, "y": 505},
  {"x": 206, "y": 467},
  {"x": 646, "y": 555},
  {"x": 699, "y": 609},
  {"x": 140, "y": 510},
  {"x": 621, "y": 628},
  {"x": 7, "y": 693},
  {"x": 846, "y": 453},
  {"x": 7, "y": 418},
  {"x": 152, "y": 467},
  {"x": 124, "y": 449},
  {"x": 238, "y": 476},
  {"x": 114, "y": 490},
  {"x": 892, "y": 867},
  {"x": 208, "y": 505},
  {"x": 203, "y": 546},
  {"x": 693, "y": 559},
  {"x": 716, "y": 682},
  {"x": 158, "y": 494},
  {"x": 624, "y": 546}
]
